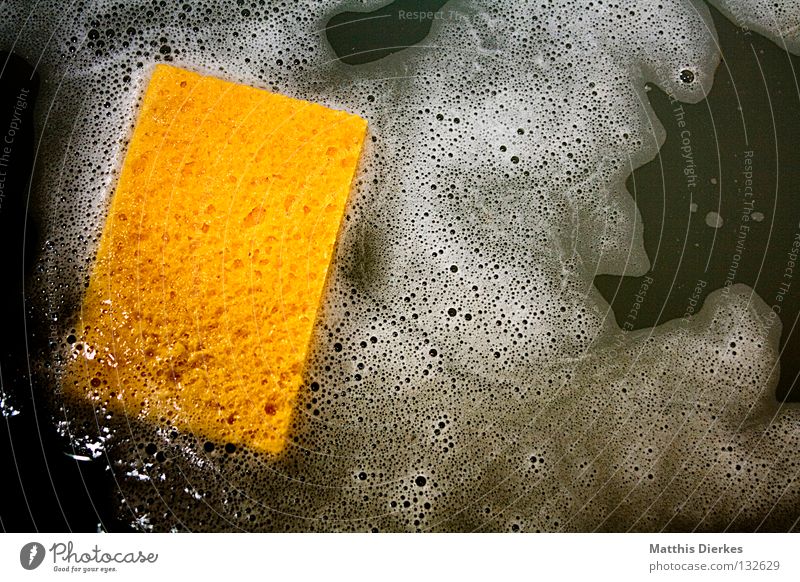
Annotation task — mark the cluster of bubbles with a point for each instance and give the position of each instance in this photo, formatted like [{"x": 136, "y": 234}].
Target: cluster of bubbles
[
  {"x": 465, "y": 374},
  {"x": 776, "y": 19}
]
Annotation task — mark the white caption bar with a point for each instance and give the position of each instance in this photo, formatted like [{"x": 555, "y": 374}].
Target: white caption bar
[{"x": 399, "y": 556}]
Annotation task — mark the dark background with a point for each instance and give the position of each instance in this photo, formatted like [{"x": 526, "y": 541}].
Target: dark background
[
  {"x": 682, "y": 248},
  {"x": 43, "y": 489}
]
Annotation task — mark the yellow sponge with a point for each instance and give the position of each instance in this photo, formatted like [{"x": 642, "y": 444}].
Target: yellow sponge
[{"x": 212, "y": 262}]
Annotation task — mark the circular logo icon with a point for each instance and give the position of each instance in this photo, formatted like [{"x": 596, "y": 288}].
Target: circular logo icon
[{"x": 31, "y": 555}]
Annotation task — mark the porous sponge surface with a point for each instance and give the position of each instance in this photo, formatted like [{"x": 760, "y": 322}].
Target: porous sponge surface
[{"x": 213, "y": 259}]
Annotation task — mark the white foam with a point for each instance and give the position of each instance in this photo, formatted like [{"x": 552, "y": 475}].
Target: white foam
[{"x": 778, "y": 20}]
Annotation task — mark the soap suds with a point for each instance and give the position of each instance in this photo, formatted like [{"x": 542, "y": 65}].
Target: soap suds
[{"x": 465, "y": 375}]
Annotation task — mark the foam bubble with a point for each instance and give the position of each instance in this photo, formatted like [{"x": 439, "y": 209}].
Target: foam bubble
[
  {"x": 714, "y": 220},
  {"x": 778, "y": 20}
]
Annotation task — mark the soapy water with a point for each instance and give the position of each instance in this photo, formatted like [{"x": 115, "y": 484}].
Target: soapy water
[{"x": 465, "y": 374}]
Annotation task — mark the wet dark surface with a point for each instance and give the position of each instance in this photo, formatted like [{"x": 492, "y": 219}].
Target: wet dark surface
[
  {"x": 363, "y": 37},
  {"x": 749, "y": 123},
  {"x": 43, "y": 489}
]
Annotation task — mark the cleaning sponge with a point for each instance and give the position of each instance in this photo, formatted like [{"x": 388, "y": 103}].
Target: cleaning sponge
[{"x": 212, "y": 262}]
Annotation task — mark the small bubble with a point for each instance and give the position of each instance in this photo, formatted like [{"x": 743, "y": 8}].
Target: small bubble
[{"x": 714, "y": 220}]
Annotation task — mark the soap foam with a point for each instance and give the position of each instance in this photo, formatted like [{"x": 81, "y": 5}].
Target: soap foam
[
  {"x": 778, "y": 20},
  {"x": 465, "y": 374}
]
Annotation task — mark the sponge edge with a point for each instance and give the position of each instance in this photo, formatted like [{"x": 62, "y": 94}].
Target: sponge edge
[{"x": 213, "y": 259}]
